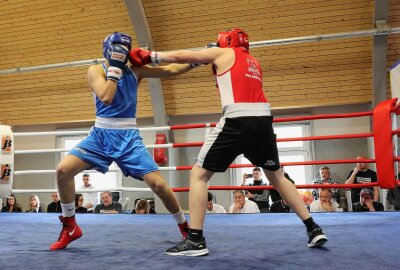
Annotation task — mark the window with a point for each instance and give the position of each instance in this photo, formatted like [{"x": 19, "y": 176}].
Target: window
[
  {"x": 106, "y": 181},
  {"x": 288, "y": 152}
]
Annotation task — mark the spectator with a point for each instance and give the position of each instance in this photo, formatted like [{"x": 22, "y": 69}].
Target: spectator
[
  {"x": 213, "y": 208},
  {"x": 242, "y": 205},
  {"x": 55, "y": 205},
  {"x": 90, "y": 200},
  {"x": 107, "y": 206},
  {"x": 11, "y": 205},
  {"x": 260, "y": 197},
  {"x": 325, "y": 203},
  {"x": 275, "y": 196},
  {"x": 325, "y": 178},
  {"x": 393, "y": 198},
  {"x": 307, "y": 198},
  {"x": 362, "y": 175},
  {"x": 366, "y": 203},
  {"x": 34, "y": 205},
  {"x": 79, "y": 204},
  {"x": 279, "y": 207},
  {"x": 142, "y": 207}
]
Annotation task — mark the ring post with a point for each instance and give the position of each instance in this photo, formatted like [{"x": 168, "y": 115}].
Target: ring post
[{"x": 383, "y": 143}]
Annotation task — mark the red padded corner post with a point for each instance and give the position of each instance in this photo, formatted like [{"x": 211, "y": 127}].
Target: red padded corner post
[{"x": 383, "y": 143}]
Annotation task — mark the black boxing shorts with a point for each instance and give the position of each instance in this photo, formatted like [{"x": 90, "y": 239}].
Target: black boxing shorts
[{"x": 251, "y": 135}]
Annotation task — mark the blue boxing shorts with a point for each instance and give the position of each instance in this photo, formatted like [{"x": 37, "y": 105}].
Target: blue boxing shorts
[{"x": 124, "y": 146}]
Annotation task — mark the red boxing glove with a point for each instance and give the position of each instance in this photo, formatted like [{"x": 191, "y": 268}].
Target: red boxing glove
[{"x": 139, "y": 57}]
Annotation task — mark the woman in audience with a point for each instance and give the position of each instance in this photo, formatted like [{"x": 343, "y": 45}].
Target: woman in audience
[
  {"x": 79, "y": 204},
  {"x": 34, "y": 205},
  {"x": 142, "y": 207},
  {"x": 11, "y": 205}
]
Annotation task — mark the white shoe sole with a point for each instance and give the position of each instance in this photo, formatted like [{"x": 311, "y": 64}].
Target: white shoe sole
[
  {"x": 318, "y": 241},
  {"x": 191, "y": 253}
]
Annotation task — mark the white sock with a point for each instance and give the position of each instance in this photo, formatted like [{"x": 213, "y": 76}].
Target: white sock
[
  {"x": 68, "y": 209},
  {"x": 179, "y": 217}
]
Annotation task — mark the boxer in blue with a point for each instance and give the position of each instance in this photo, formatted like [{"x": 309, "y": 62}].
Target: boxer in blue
[{"x": 115, "y": 136}]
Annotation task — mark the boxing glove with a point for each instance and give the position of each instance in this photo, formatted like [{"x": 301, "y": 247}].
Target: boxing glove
[
  {"x": 117, "y": 57},
  {"x": 140, "y": 57}
]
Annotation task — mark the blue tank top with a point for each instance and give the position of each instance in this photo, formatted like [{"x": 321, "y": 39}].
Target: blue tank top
[{"x": 125, "y": 99}]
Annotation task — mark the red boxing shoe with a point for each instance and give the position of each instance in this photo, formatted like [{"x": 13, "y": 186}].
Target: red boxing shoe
[
  {"x": 184, "y": 228},
  {"x": 70, "y": 232}
]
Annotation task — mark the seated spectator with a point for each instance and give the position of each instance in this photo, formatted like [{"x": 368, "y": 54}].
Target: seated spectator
[
  {"x": 307, "y": 198},
  {"x": 107, "y": 206},
  {"x": 279, "y": 207},
  {"x": 275, "y": 196},
  {"x": 11, "y": 205},
  {"x": 242, "y": 205},
  {"x": 366, "y": 203},
  {"x": 34, "y": 205},
  {"x": 79, "y": 204},
  {"x": 362, "y": 175},
  {"x": 325, "y": 178},
  {"x": 260, "y": 197},
  {"x": 142, "y": 207},
  {"x": 213, "y": 208},
  {"x": 325, "y": 203},
  {"x": 393, "y": 199},
  {"x": 55, "y": 205}
]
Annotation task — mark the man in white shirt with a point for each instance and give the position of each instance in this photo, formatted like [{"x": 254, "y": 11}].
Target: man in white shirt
[
  {"x": 90, "y": 200},
  {"x": 325, "y": 202},
  {"x": 213, "y": 208},
  {"x": 242, "y": 205}
]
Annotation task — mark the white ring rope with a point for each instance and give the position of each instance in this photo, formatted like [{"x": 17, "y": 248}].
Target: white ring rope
[
  {"x": 14, "y": 191},
  {"x": 60, "y": 150},
  {"x": 86, "y": 132},
  {"x": 25, "y": 172}
]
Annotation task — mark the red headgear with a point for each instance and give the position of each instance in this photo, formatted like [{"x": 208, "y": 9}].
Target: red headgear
[{"x": 233, "y": 38}]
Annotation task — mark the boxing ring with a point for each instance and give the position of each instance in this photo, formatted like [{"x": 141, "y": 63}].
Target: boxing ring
[{"x": 236, "y": 241}]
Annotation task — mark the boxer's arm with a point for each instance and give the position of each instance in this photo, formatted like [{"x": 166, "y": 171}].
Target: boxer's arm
[
  {"x": 160, "y": 71},
  {"x": 141, "y": 57},
  {"x": 222, "y": 58},
  {"x": 104, "y": 89}
]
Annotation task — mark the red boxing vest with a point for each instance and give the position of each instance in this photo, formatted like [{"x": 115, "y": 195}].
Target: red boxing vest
[{"x": 242, "y": 83}]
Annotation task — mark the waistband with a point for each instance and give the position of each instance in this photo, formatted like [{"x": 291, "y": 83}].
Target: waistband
[
  {"x": 247, "y": 109},
  {"x": 115, "y": 123}
]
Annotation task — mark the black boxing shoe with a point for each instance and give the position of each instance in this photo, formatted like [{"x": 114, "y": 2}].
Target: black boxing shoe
[
  {"x": 316, "y": 237},
  {"x": 189, "y": 248}
]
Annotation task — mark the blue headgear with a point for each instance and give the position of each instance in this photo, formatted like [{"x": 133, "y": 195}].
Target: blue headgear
[{"x": 116, "y": 38}]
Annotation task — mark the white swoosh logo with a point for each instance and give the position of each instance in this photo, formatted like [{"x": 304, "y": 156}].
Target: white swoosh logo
[{"x": 71, "y": 233}]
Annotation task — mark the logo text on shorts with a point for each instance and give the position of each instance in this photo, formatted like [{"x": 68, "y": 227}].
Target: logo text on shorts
[
  {"x": 270, "y": 163},
  {"x": 5, "y": 173},
  {"x": 80, "y": 150}
]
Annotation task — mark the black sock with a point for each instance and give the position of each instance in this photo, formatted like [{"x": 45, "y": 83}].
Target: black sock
[
  {"x": 310, "y": 224},
  {"x": 195, "y": 235}
]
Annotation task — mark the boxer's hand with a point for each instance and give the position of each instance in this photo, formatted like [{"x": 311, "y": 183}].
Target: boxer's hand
[
  {"x": 140, "y": 57},
  {"x": 117, "y": 57}
]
